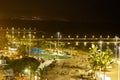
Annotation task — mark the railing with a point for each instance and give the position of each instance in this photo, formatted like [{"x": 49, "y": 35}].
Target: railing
[{"x": 112, "y": 40}]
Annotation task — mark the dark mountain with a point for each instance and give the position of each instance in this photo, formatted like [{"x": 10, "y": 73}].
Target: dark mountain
[{"x": 65, "y": 27}]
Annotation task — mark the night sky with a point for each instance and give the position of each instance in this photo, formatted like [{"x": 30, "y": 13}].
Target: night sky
[{"x": 83, "y": 15}]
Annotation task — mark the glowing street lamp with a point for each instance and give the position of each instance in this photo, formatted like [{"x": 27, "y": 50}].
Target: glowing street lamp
[
  {"x": 58, "y": 34},
  {"x": 27, "y": 71}
]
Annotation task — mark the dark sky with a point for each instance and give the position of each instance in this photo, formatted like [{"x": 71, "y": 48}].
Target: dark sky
[{"x": 95, "y": 14}]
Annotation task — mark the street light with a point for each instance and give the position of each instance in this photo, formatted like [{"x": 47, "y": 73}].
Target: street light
[
  {"x": 119, "y": 64},
  {"x": 58, "y": 35},
  {"x": 27, "y": 71},
  {"x": 29, "y": 42},
  {"x": 116, "y": 39}
]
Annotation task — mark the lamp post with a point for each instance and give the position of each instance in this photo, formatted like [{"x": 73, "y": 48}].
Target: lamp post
[
  {"x": 119, "y": 64},
  {"x": 58, "y": 35},
  {"x": 29, "y": 42},
  {"x": 27, "y": 71},
  {"x": 116, "y": 39}
]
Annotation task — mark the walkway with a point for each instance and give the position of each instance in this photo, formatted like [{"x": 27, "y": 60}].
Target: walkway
[{"x": 1, "y": 75}]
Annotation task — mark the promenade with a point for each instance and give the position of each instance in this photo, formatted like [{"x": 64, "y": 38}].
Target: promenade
[
  {"x": 70, "y": 70},
  {"x": 1, "y": 75},
  {"x": 112, "y": 73}
]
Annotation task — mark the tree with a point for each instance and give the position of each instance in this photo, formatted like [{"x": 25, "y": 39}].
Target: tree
[
  {"x": 19, "y": 65},
  {"x": 106, "y": 57},
  {"x": 99, "y": 59},
  {"x": 94, "y": 58},
  {"x": 23, "y": 50},
  {"x": 43, "y": 44}
]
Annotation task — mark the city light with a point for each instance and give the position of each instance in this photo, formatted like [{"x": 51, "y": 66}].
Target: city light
[
  {"x": 27, "y": 71},
  {"x": 72, "y": 44}
]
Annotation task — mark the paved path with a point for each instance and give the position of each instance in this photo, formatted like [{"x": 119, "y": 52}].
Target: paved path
[
  {"x": 113, "y": 72},
  {"x": 1, "y": 75}
]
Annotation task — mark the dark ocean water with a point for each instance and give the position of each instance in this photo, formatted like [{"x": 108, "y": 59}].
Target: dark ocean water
[{"x": 64, "y": 27}]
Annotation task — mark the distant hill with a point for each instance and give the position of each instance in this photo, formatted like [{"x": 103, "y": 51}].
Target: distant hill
[{"x": 52, "y": 26}]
